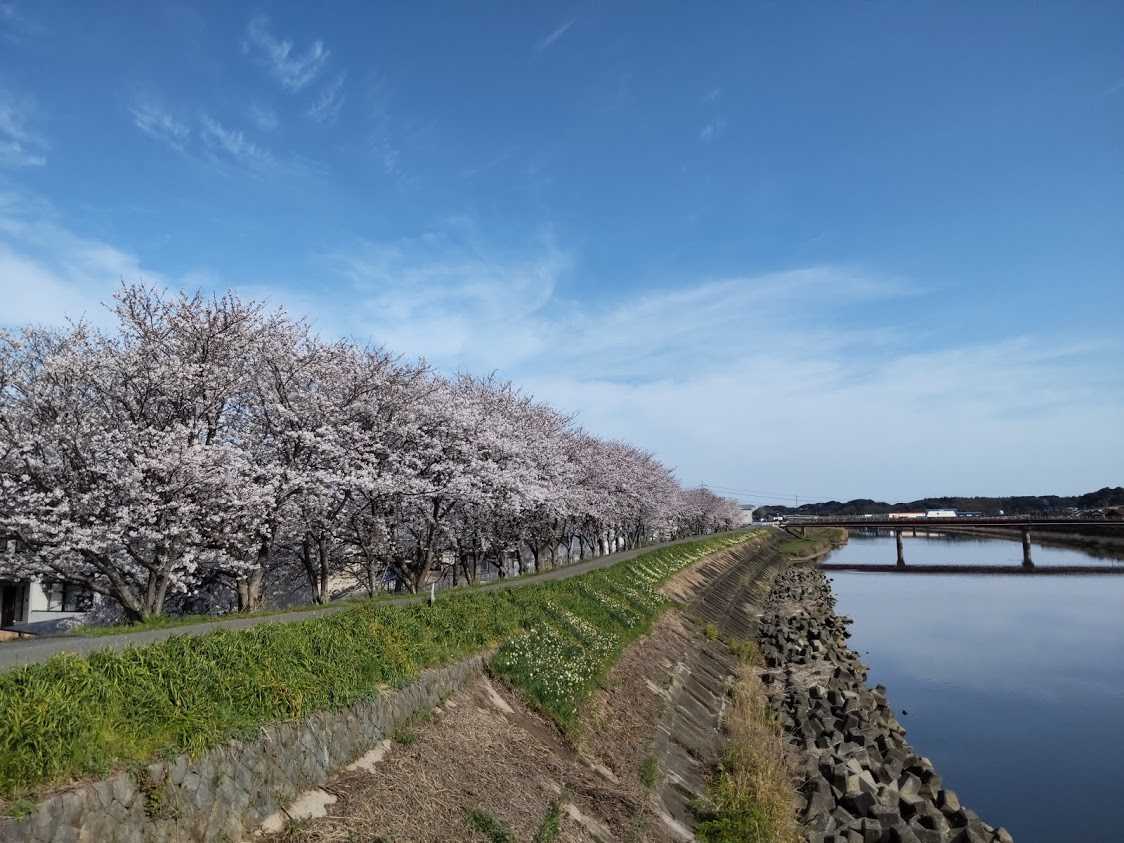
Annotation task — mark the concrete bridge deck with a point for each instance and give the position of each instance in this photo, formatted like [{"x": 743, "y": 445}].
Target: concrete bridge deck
[
  {"x": 1021, "y": 523},
  {"x": 1014, "y": 522}
]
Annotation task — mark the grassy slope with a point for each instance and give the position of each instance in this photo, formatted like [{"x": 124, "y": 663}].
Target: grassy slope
[
  {"x": 818, "y": 540},
  {"x": 753, "y": 797},
  {"x": 74, "y": 716},
  {"x": 752, "y": 792}
]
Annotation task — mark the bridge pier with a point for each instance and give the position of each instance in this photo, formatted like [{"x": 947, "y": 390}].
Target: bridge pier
[
  {"x": 1027, "y": 561},
  {"x": 901, "y": 552}
]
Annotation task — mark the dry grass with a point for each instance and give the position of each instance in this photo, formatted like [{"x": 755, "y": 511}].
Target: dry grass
[
  {"x": 686, "y": 583},
  {"x": 474, "y": 773},
  {"x": 621, "y": 720},
  {"x": 753, "y": 792}
]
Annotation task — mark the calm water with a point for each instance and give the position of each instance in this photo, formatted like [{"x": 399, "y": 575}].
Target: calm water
[{"x": 1014, "y": 686}]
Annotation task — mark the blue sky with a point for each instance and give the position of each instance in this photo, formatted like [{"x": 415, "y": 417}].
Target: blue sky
[{"x": 830, "y": 250}]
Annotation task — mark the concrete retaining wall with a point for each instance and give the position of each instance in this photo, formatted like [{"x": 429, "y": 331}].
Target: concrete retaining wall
[{"x": 226, "y": 793}]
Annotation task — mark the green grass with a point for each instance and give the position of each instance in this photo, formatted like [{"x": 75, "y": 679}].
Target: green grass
[
  {"x": 649, "y": 772},
  {"x": 491, "y": 827},
  {"x": 587, "y": 622},
  {"x": 74, "y": 716},
  {"x": 407, "y": 733},
  {"x": 817, "y": 540},
  {"x": 750, "y": 797},
  {"x": 551, "y": 825},
  {"x": 172, "y": 621}
]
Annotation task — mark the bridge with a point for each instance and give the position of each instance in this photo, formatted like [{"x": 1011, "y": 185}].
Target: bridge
[
  {"x": 1022, "y": 523},
  {"x": 990, "y": 570}
]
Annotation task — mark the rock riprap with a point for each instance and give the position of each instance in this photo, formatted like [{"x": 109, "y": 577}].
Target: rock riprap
[{"x": 861, "y": 780}]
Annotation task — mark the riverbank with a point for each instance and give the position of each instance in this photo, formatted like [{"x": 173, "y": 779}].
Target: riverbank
[
  {"x": 632, "y": 762},
  {"x": 560, "y": 644},
  {"x": 861, "y": 779}
]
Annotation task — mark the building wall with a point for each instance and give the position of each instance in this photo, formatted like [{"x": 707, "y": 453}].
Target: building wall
[{"x": 31, "y": 604}]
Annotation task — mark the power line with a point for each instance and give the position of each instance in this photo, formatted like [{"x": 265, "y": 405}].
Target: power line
[
  {"x": 776, "y": 497},
  {"x": 752, "y": 494},
  {"x": 756, "y": 492}
]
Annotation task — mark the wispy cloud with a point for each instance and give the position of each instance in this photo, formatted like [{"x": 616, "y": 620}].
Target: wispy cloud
[
  {"x": 292, "y": 69},
  {"x": 329, "y": 101},
  {"x": 440, "y": 294},
  {"x": 551, "y": 38},
  {"x": 1114, "y": 88},
  {"x": 712, "y": 96},
  {"x": 712, "y": 130},
  {"x": 389, "y": 156},
  {"x": 778, "y": 359},
  {"x": 232, "y": 145},
  {"x": 264, "y": 118},
  {"x": 160, "y": 124},
  {"x": 49, "y": 273},
  {"x": 9, "y": 19},
  {"x": 20, "y": 146},
  {"x": 216, "y": 143},
  {"x": 15, "y": 25},
  {"x": 726, "y": 378},
  {"x": 490, "y": 164}
]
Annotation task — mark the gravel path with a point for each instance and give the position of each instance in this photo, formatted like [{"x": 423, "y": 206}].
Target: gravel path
[{"x": 16, "y": 653}]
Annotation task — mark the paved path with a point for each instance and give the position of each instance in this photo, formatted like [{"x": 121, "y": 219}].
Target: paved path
[{"x": 16, "y": 653}]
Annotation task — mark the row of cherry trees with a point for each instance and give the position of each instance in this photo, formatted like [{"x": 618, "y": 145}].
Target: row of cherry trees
[{"x": 209, "y": 442}]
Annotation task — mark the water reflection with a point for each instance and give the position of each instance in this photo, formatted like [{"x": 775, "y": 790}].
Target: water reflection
[
  {"x": 952, "y": 549},
  {"x": 1013, "y": 686}
]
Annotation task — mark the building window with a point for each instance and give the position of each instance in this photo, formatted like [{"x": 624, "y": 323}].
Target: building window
[{"x": 67, "y": 597}]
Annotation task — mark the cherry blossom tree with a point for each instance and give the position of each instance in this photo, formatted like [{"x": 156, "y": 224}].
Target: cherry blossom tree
[
  {"x": 700, "y": 511},
  {"x": 207, "y": 440},
  {"x": 117, "y": 457}
]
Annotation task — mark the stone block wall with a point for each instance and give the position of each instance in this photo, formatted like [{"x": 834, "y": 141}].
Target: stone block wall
[{"x": 225, "y": 794}]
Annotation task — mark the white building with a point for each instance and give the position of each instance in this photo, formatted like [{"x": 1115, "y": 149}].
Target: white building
[
  {"x": 26, "y": 601},
  {"x": 941, "y": 513}
]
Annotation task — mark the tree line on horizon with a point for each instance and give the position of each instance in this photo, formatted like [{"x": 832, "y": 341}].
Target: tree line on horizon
[
  {"x": 1106, "y": 498},
  {"x": 207, "y": 444}
]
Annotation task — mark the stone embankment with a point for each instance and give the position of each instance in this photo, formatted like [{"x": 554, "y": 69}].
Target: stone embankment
[{"x": 862, "y": 782}]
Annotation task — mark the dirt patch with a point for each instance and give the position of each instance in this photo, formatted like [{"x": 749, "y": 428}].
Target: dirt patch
[
  {"x": 623, "y": 723},
  {"x": 472, "y": 756},
  {"x": 486, "y": 765},
  {"x": 687, "y": 583},
  {"x": 620, "y": 722},
  {"x": 485, "y": 751}
]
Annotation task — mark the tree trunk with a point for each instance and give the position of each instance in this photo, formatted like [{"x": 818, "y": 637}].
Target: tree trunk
[{"x": 251, "y": 587}]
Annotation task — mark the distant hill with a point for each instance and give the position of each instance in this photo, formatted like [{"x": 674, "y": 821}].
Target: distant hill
[{"x": 1020, "y": 504}]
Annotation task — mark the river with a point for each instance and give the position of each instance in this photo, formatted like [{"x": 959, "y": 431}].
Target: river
[{"x": 1013, "y": 686}]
